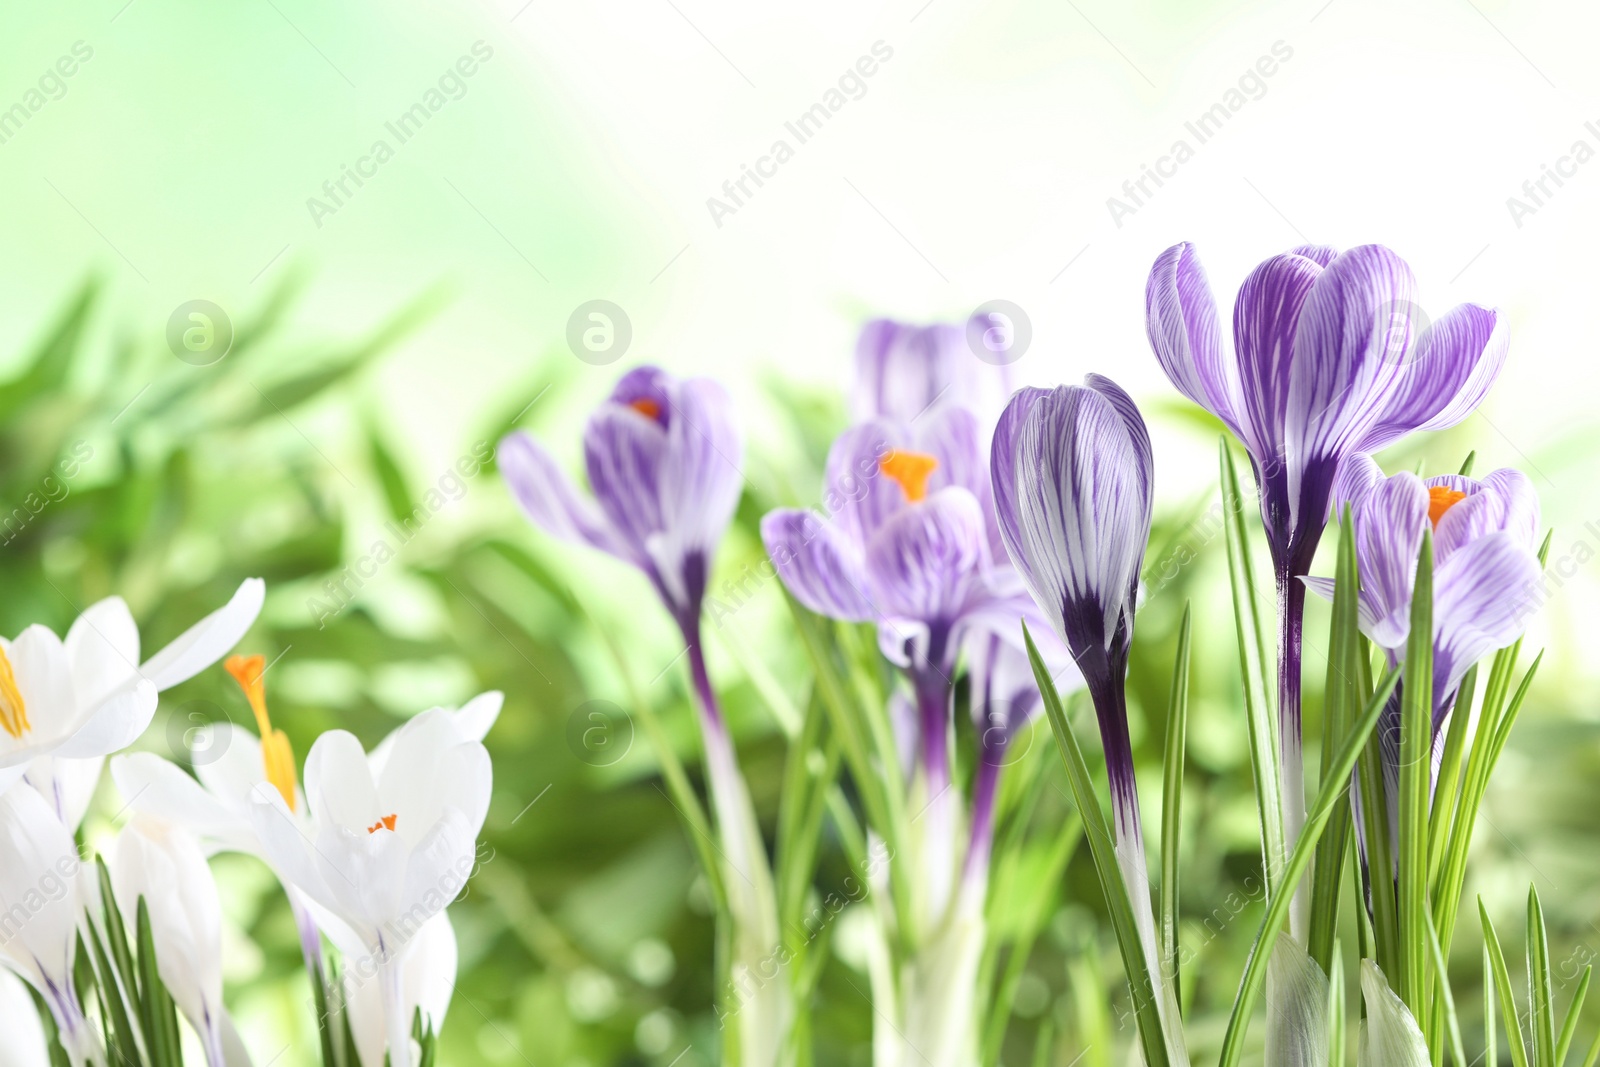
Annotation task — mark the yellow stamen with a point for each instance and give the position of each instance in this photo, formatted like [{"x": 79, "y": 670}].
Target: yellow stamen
[
  {"x": 646, "y": 407},
  {"x": 276, "y": 753},
  {"x": 911, "y": 470},
  {"x": 385, "y": 823},
  {"x": 1442, "y": 498},
  {"x": 13, "y": 709}
]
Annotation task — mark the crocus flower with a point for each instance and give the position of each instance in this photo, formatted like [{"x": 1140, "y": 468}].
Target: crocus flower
[
  {"x": 1073, "y": 477},
  {"x": 24, "y": 1045},
  {"x": 164, "y": 865},
  {"x": 386, "y": 851},
  {"x": 427, "y": 981},
  {"x": 903, "y": 372},
  {"x": 1325, "y": 364},
  {"x": 663, "y": 458},
  {"x": 1485, "y": 562},
  {"x": 65, "y": 705},
  {"x": 40, "y": 905}
]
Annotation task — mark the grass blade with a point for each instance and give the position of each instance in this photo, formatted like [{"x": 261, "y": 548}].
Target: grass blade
[
  {"x": 1336, "y": 1021},
  {"x": 1172, "y": 803},
  {"x": 1146, "y": 996},
  {"x": 1502, "y": 983},
  {"x": 1329, "y": 795},
  {"x": 1416, "y": 768},
  {"x": 1541, "y": 1003},
  {"x": 1570, "y": 1027},
  {"x": 1253, "y": 661},
  {"x": 1442, "y": 974}
]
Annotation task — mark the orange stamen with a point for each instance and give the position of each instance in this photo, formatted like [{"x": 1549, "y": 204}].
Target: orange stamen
[
  {"x": 911, "y": 470},
  {"x": 646, "y": 407},
  {"x": 1442, "y": 498},
  {"x": 13, "y": 709},
  {"x": 277, "y": 755},
  {"x": 385, "y": 823}
]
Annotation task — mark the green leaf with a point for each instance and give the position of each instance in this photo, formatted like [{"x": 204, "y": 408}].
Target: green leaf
[
  {"x": 1329, "y": 795},
  {"x": 1253, "y": 661},
  {"x": 1102, "y": 846},
  {"x": 1570, "y": 1027},
  {"x": 1543, "y": 1008},
  {"x": 1336, "y": 1019},
  {"x": 1344, "y": 696},
  {"x": 1466, "y": 467},
  {"x": 1502, "y": 982},
  {"x": 391, "y": 479},
  {"x": 1441, "y": 974},
  {"x": 1172, "y": 802},
  {"x": 1416, "y": 768}
]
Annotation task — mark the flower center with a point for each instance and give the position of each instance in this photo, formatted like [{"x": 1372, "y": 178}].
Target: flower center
[
  {"x": 911, "y": 470},
  {"x": 1442, "y": 498},
  {"x": 385, "y": 823},
  {"x": 277, "y": 755},
  {"x": 646, "y": 407},
  {"x": 13, "y": 709}
]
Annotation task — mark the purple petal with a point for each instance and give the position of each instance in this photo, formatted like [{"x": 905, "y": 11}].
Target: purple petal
[
  {"x": 623, "y": 449},
  {"x": 903, "y": 371},
  {"x": 700, "y": 475},
  {"x": 1504, "y": 501},
  {"x": 1181, "y": 322},
  {"x": 1072, "y": 486},
  {"x": 1265, "y": 319},
  {"x": 1389, "y": 530},
  {"x": 1321, "y": 254},
  {"x": 1484, "y": 596},
  {"x": 855, "y": 491},
  {"x": 926, "y": 562},
  {"x": 1138, "y": 435},
  {"x": 649, "y": 384},
  {"x": 818, "y": 564},
  {"x": 1445, "y": 377},
  {"x": 550, "y": 500},
  {"x": 1359, "y": 475},
  {"x": 1343, "y": 359}
]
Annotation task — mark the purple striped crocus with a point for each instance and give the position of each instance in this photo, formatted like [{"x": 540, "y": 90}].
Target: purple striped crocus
[
  {"x": 903, "y": 371},
  {"x": 663, "y": 458},
  {"x": 1485, "y": 562},
  {"x": 1072, "y": 474},
  {"x": 1326, "y": 363}
]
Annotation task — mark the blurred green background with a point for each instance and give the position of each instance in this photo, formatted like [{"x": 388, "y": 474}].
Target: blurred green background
[{"x": 426, "y": 315}]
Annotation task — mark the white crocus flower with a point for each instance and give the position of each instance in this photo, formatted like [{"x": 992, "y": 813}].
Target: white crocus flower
[
  {"x": 40, "y": 903},
  {"x": 24, "y": 1044},
  {"x": 86, "y": 697},
  {"x": 164, "y": 865},
  {"x": 386, "y": 851},
  {"x": 428, "y": 978}
]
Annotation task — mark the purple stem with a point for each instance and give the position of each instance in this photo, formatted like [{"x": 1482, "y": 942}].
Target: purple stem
[
  {"x": 710, "y": 710},
  {"x": 985, "y": 787},
  {"x": 1291, "y": 623}
]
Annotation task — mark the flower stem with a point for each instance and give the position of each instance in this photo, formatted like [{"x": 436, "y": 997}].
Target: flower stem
[{"x": 1291, "y": 761}]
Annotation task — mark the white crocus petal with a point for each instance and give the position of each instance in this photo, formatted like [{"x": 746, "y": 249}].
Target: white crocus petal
[
  {"x": 68, "y": 784},
  {"x": 23, "y": 1045},
  {"x": 164, "y": 865},
  {"x": 40, "y": 901},
  {"x": 428, "y": 977},
  {"x": 234, "y": 1053},
  {"x": 472, "y": 722},
  {"x": 1390, "y": 1037},
  {"x": 208, "y": 640},
  {"x": 156, "y": 787},
  {"x": 1297, "y": 1008},
  {"x": 113, "y": 724},
  {"x": 102, "y": 647}
]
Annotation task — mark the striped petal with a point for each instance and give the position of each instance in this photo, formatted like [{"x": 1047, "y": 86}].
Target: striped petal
[
  {"x": 818, "y": 563},
  {"x": 926, "y": 562},
  {"x": 550, "y": 500},
  {"x": 1446, "y": 376},
  {"x": 1484, "y": 596},
  {"x": 1266, "y": 318},
  {"x": 624, "y": 449},
  {"x": 1181, "y": 322},
  {"x": 1505, "y": 500},
  {"x": 700, "y": 483},
  {"x": 1389, "y": 530}
]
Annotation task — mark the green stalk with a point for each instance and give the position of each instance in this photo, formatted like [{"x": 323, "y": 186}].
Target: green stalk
[
  {"x": 1542, "y": 1006},
  {"x": 1416, "y": 766},
  {"x": 1502, "y": 982},
  {"x": 1172, "y": 804}
]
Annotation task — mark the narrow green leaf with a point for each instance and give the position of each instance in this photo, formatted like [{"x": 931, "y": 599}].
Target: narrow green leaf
[
  {"x": 1466, "y": 467},
  {"x": 1502, "y": 983},
  {"x": 1569, "y": 1028},
  {"x": 112, "y": 1005},
  {"x": 1253, "y": 668},
  {"x": 1491, "y": 1040},
  {"x": 163, "y": 1045},
  {"x": 1344, "y": 696},
  {"x": 391, "y": 478},
  {"x": 1330, "y": 794},
  {"x": 1444, "y": 793},
  {"x": 1593, "y": 1055},
  {"x": 1541, "y": 1002},
  {"x": 1416, "y": 767},
  {"x": 1102, "y": 846},
  {"x": 1447, "y": 996},
  {"x": 1172, "y": 803}
]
